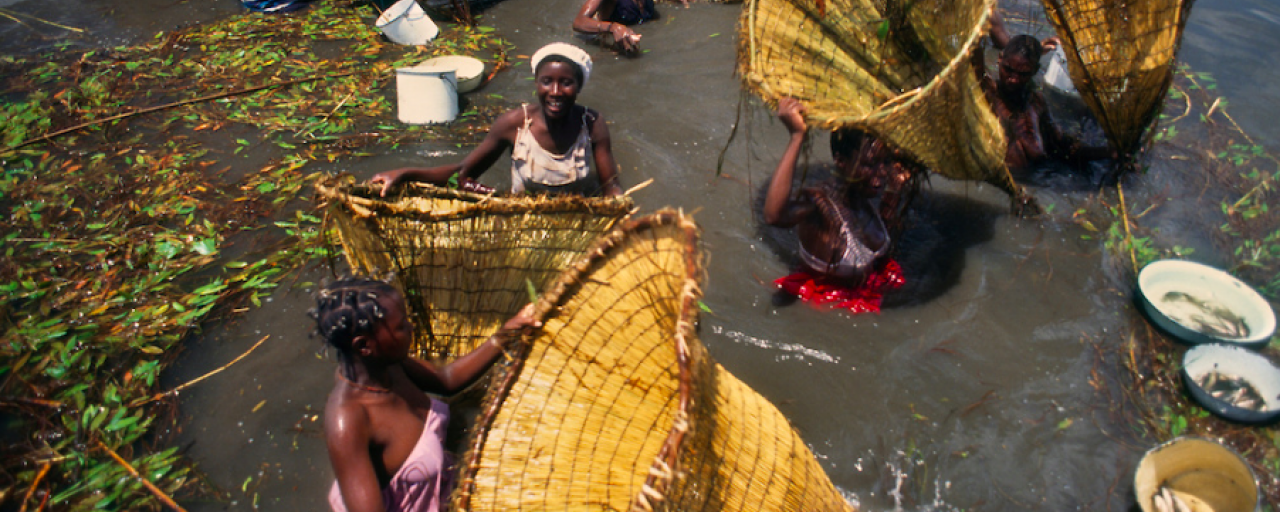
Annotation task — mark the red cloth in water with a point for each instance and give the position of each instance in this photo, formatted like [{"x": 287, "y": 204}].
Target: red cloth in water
[{"x": 820, "y": 289}]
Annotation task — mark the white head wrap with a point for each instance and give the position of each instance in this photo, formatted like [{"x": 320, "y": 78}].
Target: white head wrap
[{"x": 565, "y": 50}]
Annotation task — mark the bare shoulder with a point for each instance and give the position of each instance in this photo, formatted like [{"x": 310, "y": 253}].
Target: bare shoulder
[
  {"x": 345, "y": 420},
  {"x": 595, "y": 123},
  {"x": 506, "y": 124},
  {"x": 1037, "y": 100}
]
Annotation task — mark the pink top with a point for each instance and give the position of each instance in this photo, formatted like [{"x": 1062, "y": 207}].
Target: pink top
[{"x": 424, "y": 482}]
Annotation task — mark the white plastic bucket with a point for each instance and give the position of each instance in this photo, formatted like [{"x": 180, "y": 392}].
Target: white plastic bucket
[
  {"x": 406, "y": 23},
  {"x": 426, "y": 94},
  {"x": 1057, "y": 76}
]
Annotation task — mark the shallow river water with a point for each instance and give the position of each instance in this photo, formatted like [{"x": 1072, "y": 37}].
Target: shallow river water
[{"x": 969, "y": 391}]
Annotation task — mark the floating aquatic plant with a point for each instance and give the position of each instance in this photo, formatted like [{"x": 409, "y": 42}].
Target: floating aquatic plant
[{"x": 129, "y": 176}]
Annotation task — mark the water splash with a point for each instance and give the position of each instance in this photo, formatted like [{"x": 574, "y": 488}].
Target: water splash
[{"x": 788, "y": 351}]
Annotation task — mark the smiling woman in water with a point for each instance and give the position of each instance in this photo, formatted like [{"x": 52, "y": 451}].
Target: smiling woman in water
[{"x": 551, "y": 143}]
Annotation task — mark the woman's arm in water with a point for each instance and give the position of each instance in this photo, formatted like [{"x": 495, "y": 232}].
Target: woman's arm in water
[
  {"x": 602, "y": 152},
  {"x": 779, "y": 209},
  {"x": 500, "y": 138},
  {"x": 588, "y": 22}
]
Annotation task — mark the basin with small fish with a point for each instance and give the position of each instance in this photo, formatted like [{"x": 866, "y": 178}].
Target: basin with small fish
[
  {"x": 1194, "y": 474},
  {"x": 1197, "y": 304},
  {"x": 1232, "y": 382}
]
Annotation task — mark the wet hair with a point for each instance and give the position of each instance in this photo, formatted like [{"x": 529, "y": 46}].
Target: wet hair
[
  {"x": 577, "y": 70},
  {"x": 846, "y": 142},
  {"x": 349, "y": 308},
  {"x": 1025, "y": 46}
]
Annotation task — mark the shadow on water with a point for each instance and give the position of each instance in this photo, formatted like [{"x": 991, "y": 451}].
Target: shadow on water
[{"x": 941, "y": 227}]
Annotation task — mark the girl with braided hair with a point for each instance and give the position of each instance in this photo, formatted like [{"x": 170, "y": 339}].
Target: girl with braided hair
[{"x": 384, "y": 433}]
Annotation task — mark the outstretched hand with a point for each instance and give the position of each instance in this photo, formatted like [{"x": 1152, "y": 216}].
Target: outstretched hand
[
  {"x": 791, "y": 112},
  {"x": 388, "y": 179},
  {"x": 625, "y": 38},
  {"x": 1050, "y": 44},
  {"x": 523, "y": 319}
]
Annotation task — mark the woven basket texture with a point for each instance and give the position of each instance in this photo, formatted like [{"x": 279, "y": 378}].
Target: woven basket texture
[
  {"x": 463, "y": 259},
  {"x": 614, "y": 404},
  {"x": 1121, "y": 54},
  {"x": 898, "y": 69}
]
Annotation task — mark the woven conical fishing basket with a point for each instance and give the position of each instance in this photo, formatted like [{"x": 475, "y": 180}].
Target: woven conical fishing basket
[
  {"x": 614, "y": 404},
  {"x": 1121, "y": 55},
  {"x": 465, "y": 261},
  {"x": 896, "y": 68}
]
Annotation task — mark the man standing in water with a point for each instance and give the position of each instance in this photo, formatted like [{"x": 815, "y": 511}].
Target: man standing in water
[{"x": 1032, "y": 135}]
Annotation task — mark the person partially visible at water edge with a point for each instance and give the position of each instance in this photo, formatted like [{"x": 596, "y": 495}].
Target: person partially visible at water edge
[
  {"x": 384, "y": 433},
  {"x": 275, "y": 6},
  {"x": 843, "y": 224},
  {"x": 615, "y": 18},
  {"x": 1033, "y": 137},
  {"x": 552, "y": 143}
]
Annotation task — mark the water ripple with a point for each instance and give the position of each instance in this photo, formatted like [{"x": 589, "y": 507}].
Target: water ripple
[{"x": 790, "y": 350}]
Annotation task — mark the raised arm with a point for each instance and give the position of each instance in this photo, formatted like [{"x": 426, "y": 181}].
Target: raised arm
[
  {"x": 779, "y": 209},
  {"x": 588, "y": 22},
  {"x": 996, "y": 29},
  {"x": 464, "y": 371},
  {"x": 347, "y": 436},
  {"x": 602, "y": 151},
  {"x": 498, "y": 140}
]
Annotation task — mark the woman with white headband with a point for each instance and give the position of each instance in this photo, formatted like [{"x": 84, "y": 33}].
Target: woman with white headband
[{"x": 551, "y": 143}]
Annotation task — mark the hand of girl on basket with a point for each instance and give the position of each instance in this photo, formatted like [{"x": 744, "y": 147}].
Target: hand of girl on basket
[
  {"x": 791, "y": 112},
  {"x": 516, "y": 325}
]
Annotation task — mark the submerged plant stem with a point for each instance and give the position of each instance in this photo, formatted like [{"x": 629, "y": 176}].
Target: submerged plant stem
[{"x": 146, "y": 483}]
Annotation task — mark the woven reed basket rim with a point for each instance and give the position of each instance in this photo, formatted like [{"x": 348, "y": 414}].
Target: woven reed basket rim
[
  {"x": 364, "y": 200},
  {"x": 657, "y": 481},
  {"x": 957, "y": 64}
]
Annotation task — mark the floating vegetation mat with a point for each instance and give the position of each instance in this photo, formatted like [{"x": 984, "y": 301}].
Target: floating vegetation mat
[
  {"x": 147, "y": 189},
  {"x": 615, "y": 404},
  {"x": 1235, "y": 184},
  {"x": 465, "y": 261}
]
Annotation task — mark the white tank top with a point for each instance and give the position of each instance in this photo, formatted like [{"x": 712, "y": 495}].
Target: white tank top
[{"x": 535, "y": 169}]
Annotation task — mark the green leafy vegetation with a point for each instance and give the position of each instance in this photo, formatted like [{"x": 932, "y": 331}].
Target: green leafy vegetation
[
  {"x": 125, "y": 231},
  {"x": 1237, "y": 176}
]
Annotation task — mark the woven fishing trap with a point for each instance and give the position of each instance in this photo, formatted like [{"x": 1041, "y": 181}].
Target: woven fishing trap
[
  {"x": 614, "y": 404},
  {"x": 1120, "y": 55},
  {"x": 898, "y": 69},
  {"x": 464, "y": 261}
]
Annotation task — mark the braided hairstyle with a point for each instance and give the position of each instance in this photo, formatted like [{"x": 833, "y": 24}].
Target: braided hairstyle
[{"x": 349, "y": 308}]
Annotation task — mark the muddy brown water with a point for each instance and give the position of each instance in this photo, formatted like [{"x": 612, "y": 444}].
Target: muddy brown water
[{"x": 970, "y": 391}]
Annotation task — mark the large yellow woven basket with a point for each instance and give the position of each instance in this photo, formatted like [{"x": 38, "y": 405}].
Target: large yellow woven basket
[
  {"x": 896, "y": 68},
  {"x": 615, "y": 404},
  {"x": 1121, "y": 55},
  {"x": 463, "y": 259}
]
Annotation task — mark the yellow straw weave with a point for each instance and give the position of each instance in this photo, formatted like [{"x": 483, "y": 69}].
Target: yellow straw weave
[
  {"x": 898, "y": 69},
  {"x": 615, "y": 405},
  {"x": 1121, "y": 54},
  {"x": 462, "y": 259}
]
